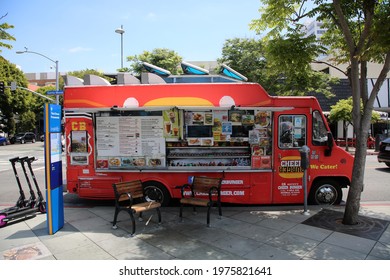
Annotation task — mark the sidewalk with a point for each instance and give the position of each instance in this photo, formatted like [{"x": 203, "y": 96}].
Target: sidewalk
[{"x": 243, "y": 233}]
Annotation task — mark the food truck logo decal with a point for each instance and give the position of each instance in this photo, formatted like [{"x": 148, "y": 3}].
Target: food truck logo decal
[{"x": 290, "y": 167}]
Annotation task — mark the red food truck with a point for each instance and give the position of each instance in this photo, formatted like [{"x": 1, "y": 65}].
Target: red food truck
[{"x": 164, "y": 133}]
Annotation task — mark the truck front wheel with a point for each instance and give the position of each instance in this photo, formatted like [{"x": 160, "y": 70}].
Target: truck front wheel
[
  {"x": 155, "y": 191},
  {"x": 325, "y": 192}
]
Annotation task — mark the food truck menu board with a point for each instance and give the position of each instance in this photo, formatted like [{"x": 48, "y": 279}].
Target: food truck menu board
[{"x": 131, "y": 141}]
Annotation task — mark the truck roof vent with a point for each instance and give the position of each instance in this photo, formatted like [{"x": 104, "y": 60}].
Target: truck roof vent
[
  {"x": 229, "y": 72},
  {"x": 90, "y": 80},
  {"x": 191, "y": 69},
  {"x": 126, "y": 79},
  {"x": 155, "y": 69},
  {"x": 150, "y": 78},
  {"x": 72, "y": 81}
]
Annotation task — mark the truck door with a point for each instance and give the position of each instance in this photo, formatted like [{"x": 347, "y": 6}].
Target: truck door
[{"x": 290, "y": 134}]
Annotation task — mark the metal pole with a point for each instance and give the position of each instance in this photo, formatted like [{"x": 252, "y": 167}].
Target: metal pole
[
  {"x": 122, "y": 48},
  {"x": 121, "y": 31},
  {"x": 56, "y": 62},
  {"x": 305, "y": 211},
  {"x": 57, "y": 84}
]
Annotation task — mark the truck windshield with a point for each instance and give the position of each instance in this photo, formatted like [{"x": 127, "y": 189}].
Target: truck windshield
[{"x": 320, "y": 136}]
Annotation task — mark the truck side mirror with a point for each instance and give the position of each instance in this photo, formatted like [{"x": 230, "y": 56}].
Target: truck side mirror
[{"x": 329, "y": 144}]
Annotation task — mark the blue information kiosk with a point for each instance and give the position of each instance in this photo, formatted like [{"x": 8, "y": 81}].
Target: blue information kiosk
[{"x": 53, "y": 168}]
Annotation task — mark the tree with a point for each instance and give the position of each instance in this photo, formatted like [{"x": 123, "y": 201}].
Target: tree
[
  {"x": 16, "y": 102},
  {"x": 27, "y": 121},
  {"x": 4, "y": 35},
  {"x": 247, "y": 56},
  {"x": 261, "y": 61},
  {"x": 342, "y": 111},
  {"x": 164, "y": 58},
  {"x": 358, "y": 33}
]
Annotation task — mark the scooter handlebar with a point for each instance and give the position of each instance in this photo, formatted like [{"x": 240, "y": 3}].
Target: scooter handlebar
[
  {"x": 13, "y": 160},
  {"x": 23, "y": 159},
  {"x": 31, "y": 159}
]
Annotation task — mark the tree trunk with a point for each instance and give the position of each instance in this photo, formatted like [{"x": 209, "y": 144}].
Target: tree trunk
[
  {"x": 354, "y": 194},
  {"x": 353, "y": 200}
]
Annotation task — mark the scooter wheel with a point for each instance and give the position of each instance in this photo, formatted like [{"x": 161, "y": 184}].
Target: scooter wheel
[
  {"x": 42, "y": 208},
  {"x": 2, "y": 222}
]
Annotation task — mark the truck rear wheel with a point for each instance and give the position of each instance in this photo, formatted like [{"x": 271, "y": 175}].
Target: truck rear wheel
[
  {"x": 155, "y": 191},
  {"x": 325, "y": 192}
]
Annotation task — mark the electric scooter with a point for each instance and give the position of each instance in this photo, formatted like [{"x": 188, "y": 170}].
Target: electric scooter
[
  {"x": 21, "y": 202},
  {"x": 40, "y": 199},
  {"x": 32, "y": 200},
  {"x": 29, "y": 207}
]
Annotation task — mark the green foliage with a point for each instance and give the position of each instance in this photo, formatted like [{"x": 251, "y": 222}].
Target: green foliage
[
  {"x": 4, "y": 35},
  {"x": 161, "y": 57},
  {"x": 16, "y": 102},
  {"x": 342, "y": 111},
  {"x": 27, "y": 121},
  {"x": 289, "y": 67},
  {"x": 81, "y": 73},
  {"x": 247, "y": 57}
]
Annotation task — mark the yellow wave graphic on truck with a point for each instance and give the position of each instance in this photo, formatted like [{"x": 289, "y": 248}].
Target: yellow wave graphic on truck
[{"x": 179, "y": 101}]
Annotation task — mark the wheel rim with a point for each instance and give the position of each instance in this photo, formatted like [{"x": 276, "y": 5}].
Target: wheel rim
[
  {"x": 2, "y": 222},
  {"x": 326, "y": 194},
  {"x": 153, "y": 193}
]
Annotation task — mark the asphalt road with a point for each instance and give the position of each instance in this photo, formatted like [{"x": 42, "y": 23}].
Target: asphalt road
[{"x": 377, "y": 183}]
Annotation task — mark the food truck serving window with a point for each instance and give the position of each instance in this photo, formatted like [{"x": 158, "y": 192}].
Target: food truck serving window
[{"x": 292, "y": 131}]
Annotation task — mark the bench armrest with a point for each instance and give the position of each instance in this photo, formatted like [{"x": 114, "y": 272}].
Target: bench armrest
[
  {"x": 186, "y": 186},
  {"x": 213, "y": 190},
  {"x": 129, "y": 197}
]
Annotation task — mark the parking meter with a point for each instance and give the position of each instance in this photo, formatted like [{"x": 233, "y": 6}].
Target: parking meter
[{"x": 304, "y": 151}]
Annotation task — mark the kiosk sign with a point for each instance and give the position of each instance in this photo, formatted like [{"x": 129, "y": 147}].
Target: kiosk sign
[{"x": 53, "y": 168}]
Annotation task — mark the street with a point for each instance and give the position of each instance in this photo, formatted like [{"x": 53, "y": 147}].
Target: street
[{"x": 376, "y": 188}]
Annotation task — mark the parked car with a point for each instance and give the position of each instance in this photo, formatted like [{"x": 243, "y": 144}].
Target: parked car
[
  {"x": 23, "y": 138},
  {"x": 3, "y": 141},
  {"x": 384, "y": 151}
]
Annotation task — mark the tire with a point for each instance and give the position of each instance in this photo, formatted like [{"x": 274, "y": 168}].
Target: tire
[
  {"x": 325, "y": 192},
  {"x": 4, "y": 143},
  {"x": 155, "y": 191},
  {"x": 42, "y": 207},
  {"x": 388, "y": 164}
]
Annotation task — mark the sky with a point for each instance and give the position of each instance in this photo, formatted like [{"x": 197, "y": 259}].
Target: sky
[{"x": 81, "y": 34}]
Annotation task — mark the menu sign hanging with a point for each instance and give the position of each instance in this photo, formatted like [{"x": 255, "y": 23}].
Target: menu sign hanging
[{"x": 130, "y": 137}]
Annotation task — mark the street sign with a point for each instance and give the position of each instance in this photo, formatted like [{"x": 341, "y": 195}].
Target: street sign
[{"x": 54, "y": 92}]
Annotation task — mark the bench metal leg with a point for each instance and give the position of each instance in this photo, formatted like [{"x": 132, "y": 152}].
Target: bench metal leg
[
  {"x": 159, "y": 215},
  {"x": 132, "y": 222},
  {"x": 181, "y": 212},
  {"x": 208, "y": 215},
  {"x": 220, "y": 210},
  {"x": 114, "y": 226}
]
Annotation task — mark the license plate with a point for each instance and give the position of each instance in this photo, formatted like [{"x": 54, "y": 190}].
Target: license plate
[{"x": 387, "y": 148}]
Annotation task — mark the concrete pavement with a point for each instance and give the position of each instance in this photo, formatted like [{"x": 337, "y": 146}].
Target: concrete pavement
[{"x": 243, "y": 233}]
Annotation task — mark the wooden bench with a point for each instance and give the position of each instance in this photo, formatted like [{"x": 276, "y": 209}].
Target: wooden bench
[
  {"x": 133, "y": 192},
  {"x": 205, "y": 191}
]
